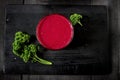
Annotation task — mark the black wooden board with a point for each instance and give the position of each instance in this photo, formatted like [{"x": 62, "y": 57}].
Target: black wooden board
[{"x": 88, "y": 53}]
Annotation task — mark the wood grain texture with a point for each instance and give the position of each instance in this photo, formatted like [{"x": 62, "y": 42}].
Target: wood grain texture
[
  {"x": 3, "y": 4},
  {"x": 100, "y": 2},
  {"x": 55, "y": 77},
  {"x": 119, "y": 30},
  {"x": 115, "y": 41},
  {"x": 80, "y": 2},
  {"x": 10, "y": 77}
]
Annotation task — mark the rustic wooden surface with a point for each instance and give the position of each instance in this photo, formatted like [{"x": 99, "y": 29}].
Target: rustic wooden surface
[
  {"x": 113, "y": 8},
  {"x": 3, "y": 3},
  {"x": 115, "y": 29},
  {"x": 80, "y": 2}
]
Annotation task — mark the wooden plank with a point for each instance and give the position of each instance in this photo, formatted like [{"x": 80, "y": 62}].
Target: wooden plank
[
  {"x": 3, "y": 4},
  {"x": 115, "y": 40},
  {"x": 119, "y": 40},
  {"x": 82, "y": 2},
  {"x": 55, "y": 77},
  {"x": 100, "y": 2},
  {"x": 10, "y": 77}
]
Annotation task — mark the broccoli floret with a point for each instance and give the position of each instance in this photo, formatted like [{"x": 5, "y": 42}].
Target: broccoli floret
[
  {"x": 19, "y": 42},
  {"x": 26, "y": 51},
  {"x": 16, "y": 45},
  {"x": 33, "y": 50},
  {"x": 22, "y": 37},
  {"x": 26, "y": 54},
  {"x": 75, "y": 18}
]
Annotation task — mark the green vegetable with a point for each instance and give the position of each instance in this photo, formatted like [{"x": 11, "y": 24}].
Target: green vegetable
[
  {"x": 35, "y": 58},
  {"x": 23, "y": 49},
  {"x": 19, "y": 42},
  {"x": 26, "y": 54},
  {"x": 75, "y": 19},
  {"x": 21, "y": 37}
]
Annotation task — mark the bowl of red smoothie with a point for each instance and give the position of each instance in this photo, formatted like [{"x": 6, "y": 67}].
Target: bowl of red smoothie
[{"x": 54, "y": 32}]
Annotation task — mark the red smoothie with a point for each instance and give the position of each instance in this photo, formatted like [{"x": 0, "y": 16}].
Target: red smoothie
[{"x": 54, "y": 32}]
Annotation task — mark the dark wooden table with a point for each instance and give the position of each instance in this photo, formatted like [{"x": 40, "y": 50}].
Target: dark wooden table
[{"x": 113, "y": 6}]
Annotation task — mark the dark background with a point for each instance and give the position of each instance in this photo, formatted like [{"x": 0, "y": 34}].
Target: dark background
[{"x": 113, "y": 6}]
